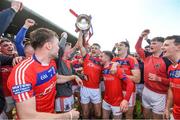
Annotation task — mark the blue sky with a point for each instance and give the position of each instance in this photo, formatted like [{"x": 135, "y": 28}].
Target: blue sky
[{"x": 114, "y": 20}]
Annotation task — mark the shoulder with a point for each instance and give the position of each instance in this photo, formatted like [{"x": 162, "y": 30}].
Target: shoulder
[
  {"x": 115, "y": 59},
  {"x": 25, "y": 64},
  {"x": 132, "y": 59},
  {"x": 21, "y": 72}
]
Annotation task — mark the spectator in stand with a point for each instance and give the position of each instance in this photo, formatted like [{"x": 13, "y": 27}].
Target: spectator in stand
[
  {"x": 155, "y": 77},
  {"x": 7, "y": 48},
  {"x": 171, "y": 49},
  {"x": 113, "y": 98},
  {"x": 6, "y": 16},
  {"x": 131, "y": 68},
  {"x": 23, "y": 45},
  {"x": 32, "y": 82}
]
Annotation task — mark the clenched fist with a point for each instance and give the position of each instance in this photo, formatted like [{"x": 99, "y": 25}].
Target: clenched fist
[
  {"x": 17, "y": 6},
  {"x": 29, "y": 23}
]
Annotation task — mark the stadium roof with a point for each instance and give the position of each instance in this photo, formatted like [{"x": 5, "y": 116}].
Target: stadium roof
[{"x": 21, "y": 16}]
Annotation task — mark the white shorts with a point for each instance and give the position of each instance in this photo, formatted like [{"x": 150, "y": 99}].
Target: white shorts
[
  {"x": 75, "y": 88},
  {"x": 171, "y": 117},
  {"x": 10, "y": 104},
  {"x": 90, "y": 95},
  {"x": 139, "y": 89},
  {"x": 132, "y": 100},
  {"x": 153, "y": 100},
  {"x": 64, "y": 104},
  {"x": 115, "y": 109},
  {"x": 102, "y": 86}
]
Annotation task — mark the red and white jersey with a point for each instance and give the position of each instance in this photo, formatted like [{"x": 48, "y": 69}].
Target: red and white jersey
[
  {"x": 5, "y": 72},
  {"x": 127, "y": 64},
  {"x": 113, "y": 86},
  {"x": 155, "y": 65},
  {"x": 92, "y": 69},
  {"x": 174, "y": 77},
  {"x": 31, "y": 79}
]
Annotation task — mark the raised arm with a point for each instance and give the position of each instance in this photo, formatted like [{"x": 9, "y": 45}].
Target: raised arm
[
  {"x": 114, "y": 49},
  {"x": 138, "y": 45},
  {"x": 74, "y": 50},
  {"x": 81, "y": 47},
  {"x": 6, "y": 16},
  {"x": 63, "y": 40},
  {"x": 20, "y": 37}
]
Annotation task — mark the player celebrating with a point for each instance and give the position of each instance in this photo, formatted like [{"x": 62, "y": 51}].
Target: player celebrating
[
  {"x": 32, "y": 82},
  {"x": 90, "y": 92},
  {"x": 113, "y": 98},
  {"x": 155, "y": 77},
  {"x": 131, "y": 68},
  {"x": 171, "y": 49}
]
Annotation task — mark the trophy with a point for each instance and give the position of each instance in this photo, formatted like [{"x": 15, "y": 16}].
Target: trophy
[{"x": 83, "y": 24}]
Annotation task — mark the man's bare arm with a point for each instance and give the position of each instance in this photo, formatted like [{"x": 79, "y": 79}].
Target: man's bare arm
[
  {"x": 63, "y": 79},
  {"x": 27, "y": 110},
  {"x": 169, "y": 104},
  {"x": 136, "y": 76}
]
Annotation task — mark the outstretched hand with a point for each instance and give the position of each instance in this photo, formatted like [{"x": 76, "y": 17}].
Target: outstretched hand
[{"x": 78, "y": 81}]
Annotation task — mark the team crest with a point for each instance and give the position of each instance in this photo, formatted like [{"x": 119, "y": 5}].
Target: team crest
[{"x": 157, "y": 66}]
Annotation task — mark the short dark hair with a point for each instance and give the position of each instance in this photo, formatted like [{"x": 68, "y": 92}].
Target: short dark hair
[
  {"x": 40, "y": 36},
  {"x": 4, "y": 40},
  {"x": 109, "y": 54},
  {"x": 158, "y": 39},
  {"x": 176, "y": 39},
  {"x": 96, "y": 44}
]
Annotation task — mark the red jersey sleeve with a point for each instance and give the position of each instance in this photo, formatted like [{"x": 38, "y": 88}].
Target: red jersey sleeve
[
  {"x": 139, "y": 48},
  {"x": 128, "y": 82},
  {"x": 20, "y": 83}
]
